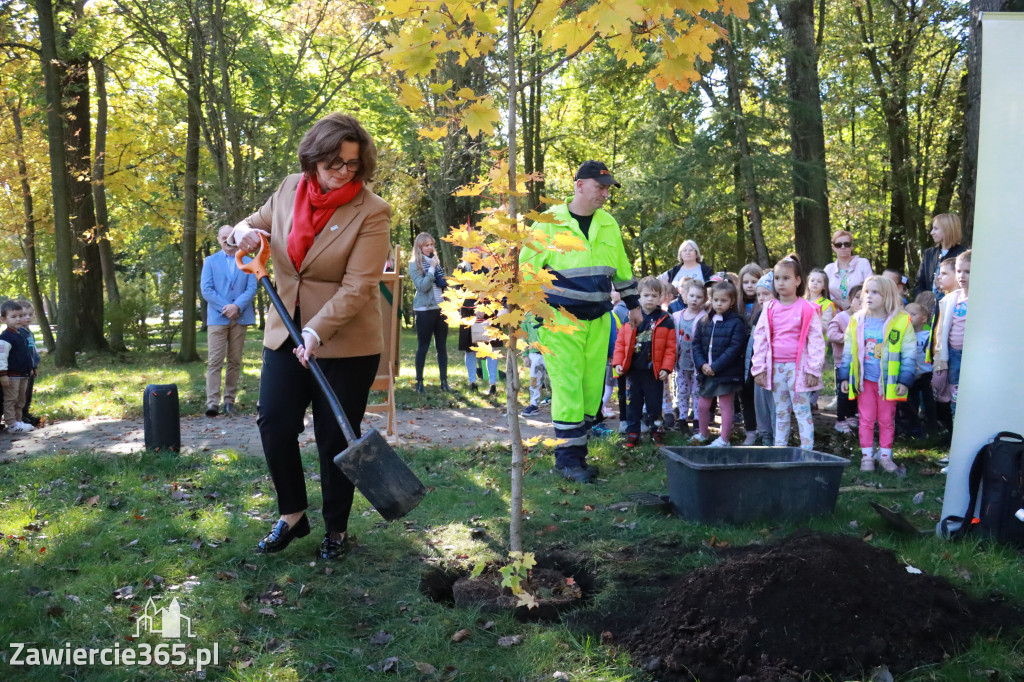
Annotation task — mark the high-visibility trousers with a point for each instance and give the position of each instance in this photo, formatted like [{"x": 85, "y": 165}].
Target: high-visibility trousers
[{"x": 576, "y": 366}]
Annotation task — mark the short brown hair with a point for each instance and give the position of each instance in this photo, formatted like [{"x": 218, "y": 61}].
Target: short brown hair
[{"x": 323, "y": 140}]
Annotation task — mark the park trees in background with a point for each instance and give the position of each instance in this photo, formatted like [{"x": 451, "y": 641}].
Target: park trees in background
[
  {"x": 426, "y": 32},
  {"x": 891, "y": 106}
]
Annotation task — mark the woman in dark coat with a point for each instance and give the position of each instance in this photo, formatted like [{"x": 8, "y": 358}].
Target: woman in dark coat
[{"x": 947, "y": 235}]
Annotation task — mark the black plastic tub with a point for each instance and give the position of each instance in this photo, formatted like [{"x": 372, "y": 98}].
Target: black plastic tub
[{"x": 747, "y": 484}]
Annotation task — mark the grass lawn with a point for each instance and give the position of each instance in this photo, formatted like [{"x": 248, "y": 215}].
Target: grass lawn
[
  {"x": 104, "y": 385},
  {"x": 88, "y": 539}
]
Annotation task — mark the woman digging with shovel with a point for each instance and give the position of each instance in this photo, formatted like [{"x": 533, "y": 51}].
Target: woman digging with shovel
[{"x": 329, "y": 237}]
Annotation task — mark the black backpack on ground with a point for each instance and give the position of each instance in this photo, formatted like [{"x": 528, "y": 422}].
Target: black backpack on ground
[{"x": 998, "y": 476}]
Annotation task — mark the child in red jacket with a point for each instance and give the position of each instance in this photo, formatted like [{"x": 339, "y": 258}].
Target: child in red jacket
[{"x": 646, "y": 356}]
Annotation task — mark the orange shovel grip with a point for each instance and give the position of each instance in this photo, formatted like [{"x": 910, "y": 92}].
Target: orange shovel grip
[{"x": 258, "y": 265}]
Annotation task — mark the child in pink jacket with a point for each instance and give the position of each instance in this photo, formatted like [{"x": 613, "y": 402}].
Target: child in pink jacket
[{"x": 789, "y": 352}]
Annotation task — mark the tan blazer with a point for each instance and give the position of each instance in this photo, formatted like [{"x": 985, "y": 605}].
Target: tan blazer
[{"x": 338, "y": 285}]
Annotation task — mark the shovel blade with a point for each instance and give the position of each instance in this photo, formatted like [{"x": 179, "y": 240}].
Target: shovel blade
[{"x": 381, "y": 475}]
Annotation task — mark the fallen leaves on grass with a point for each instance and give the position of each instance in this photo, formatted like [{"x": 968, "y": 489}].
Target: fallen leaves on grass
[
  {"x": 381, "y": 638},
  {"x": 510, "y": 640},
  {"x": 461, "y": 635},
  {"x": 388, "y": 665},
  {"x": 126, "y": 592}
]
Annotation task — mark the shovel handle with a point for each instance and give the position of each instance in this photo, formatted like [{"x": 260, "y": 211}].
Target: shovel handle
[{"x": 258, "y": 266}]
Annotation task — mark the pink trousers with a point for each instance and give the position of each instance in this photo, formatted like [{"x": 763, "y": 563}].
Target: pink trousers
[{"x": 872, "y": 408}]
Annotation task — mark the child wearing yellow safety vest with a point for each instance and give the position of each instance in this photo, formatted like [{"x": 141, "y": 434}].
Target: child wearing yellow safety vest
[{"x": 879, "y": 359}]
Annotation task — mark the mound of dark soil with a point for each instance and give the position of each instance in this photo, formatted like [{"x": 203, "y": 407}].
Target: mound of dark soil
[{"x": 812, "y": 603}]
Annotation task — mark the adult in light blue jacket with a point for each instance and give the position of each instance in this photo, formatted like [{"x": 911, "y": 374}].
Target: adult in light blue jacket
[{"x": 229, "y": 293}]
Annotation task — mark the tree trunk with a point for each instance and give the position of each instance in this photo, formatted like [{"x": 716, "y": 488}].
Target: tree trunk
[
  {"x": 904, "y": 218},
  {"x": 29, "y": 241},
  {"x": 954, "y": 153},
  {"x": 188, "y": 352},
  {"x": 515, "y": 533},
  {"x": 972, "y": 110},
  {"x": 99, "y": 192},
  {"x": 744, "y": 162},
  {"x": 807, "y": 134},
  {"x": 67, "y": 320},
  {"x": 78, "y": 141}
]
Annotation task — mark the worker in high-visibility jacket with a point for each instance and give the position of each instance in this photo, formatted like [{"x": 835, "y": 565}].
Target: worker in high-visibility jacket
[{"x": 582, "y": 286}]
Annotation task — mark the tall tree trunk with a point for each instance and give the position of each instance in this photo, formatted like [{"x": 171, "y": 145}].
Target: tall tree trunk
[
  {"x": 188, "y": 352},
  {"x": 29, "y": 241},
  {"x": 954, "y": 153},
  {"x": 78, "y": 141},
  {"x": 745, "y": 163},
  {"x": 904, "y": 218},
  {"x": 99, "y": 192},
  {"x": 807, "y": 133},
  {"x": 235, "y": 191},
  {"x": 67, "y": 318},
  {"x": 972, "y": 110},
  {"x": 515, "y": 534}
]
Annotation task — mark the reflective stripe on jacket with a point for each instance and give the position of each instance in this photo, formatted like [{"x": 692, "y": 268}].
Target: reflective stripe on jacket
[
  {"x": 584, "y": 279},
  {"x": 899, "y": 356}
]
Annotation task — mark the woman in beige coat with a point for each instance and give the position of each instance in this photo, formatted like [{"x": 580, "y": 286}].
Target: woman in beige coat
[{"x": 329, "y": 238}]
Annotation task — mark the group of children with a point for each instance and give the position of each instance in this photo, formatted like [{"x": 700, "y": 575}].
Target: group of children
[
  {"x": 760, "y": 340},
  {"x": 19, "y": 364}
]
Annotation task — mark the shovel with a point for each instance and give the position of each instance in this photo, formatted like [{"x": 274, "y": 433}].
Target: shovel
[{"x": 369, "y": 462}]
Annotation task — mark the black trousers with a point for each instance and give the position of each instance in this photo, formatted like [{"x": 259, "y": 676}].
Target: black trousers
[
  {"x": 286, "y": 390},
  {"x": 845, "y": 407},
  {"x": 747, "y": 404},
  {"x": 644, "y": 387},
  {"x": 431, "y": 324}
]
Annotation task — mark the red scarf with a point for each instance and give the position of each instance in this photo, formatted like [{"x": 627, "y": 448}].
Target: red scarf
[{"x": 312, "y": 211}]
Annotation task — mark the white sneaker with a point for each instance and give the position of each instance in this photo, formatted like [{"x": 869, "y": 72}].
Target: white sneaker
[
  {"x": 867, "y": 463},
  {"x": 20, "y": 427},
  {"x": 751, "y": 438},
  {"x": 889, "y": 465},
  {"x": 698, "y": 439},
  {"x": 720, "y": 443},
  {"x": 843, "y": 427}
]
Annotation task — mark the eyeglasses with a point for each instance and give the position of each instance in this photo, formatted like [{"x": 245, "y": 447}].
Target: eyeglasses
[
  {"x": 842, "y": 245},
  {"x": 340, "y": 163}
]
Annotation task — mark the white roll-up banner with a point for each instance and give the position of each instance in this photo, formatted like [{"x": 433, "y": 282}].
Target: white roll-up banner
[{"x": 991, "y": 390}]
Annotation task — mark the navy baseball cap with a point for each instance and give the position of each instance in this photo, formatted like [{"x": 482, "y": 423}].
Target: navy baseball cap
[{"x": 596, "y": 170}]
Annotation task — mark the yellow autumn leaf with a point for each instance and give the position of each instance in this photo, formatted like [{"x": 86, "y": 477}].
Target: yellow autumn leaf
[
  {"x": 484, "y": 350},
  {"x": 434, "y": 134},
  {"x": 543, "y": 15},
  {"x": 466, "y": 94},
  {"x": 486, "y": 22},
  {"x": 549, "y": 200},
  {"x": 553, "y": 442},
  {"x": 481, "y": 117},
  {"x": 484, "y": 45},
  {"x": 411, "y": 97},
  {"x": 538, "y": 217},
  {"x": 564, "y": 241},
  {"x": 568, "y": 35},
  {"x": 740, "y": 8},
  {"x": 530, "y": 442},
  {"x": 441, "y": 88}
]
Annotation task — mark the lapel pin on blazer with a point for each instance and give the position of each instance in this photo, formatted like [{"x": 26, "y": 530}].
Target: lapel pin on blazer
[{"x": 368, "y": 461}]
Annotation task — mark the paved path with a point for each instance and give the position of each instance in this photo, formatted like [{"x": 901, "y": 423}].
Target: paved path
[{"x": 416, "y": 428}]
